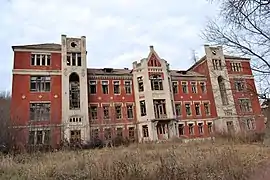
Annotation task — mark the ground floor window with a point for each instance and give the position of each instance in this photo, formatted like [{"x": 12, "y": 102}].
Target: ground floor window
[
  {"x": 75, "y": 136},
  {"x": 145, "y": 131},
  {"x": 181, "y": 129},
  {"x": 39, "y": 137}
]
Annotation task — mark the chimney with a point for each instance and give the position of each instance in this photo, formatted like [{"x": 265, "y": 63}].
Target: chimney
[{"x": 151, "y": 48}]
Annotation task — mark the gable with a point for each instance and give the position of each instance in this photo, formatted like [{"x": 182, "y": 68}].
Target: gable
[{"x": 153, "y": 61}]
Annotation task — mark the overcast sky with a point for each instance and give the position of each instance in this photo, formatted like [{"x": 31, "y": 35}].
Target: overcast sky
[{"x": 118, "y": 32}]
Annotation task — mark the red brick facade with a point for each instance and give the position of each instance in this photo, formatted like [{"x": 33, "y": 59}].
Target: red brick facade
[{"x": 193, "y": 92}]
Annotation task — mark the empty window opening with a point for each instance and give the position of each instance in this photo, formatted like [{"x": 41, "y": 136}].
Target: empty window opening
[
  {"x": 143, "y": 108},
  {"x": 40, "y": 111},
  {"x": 188, "y": 109},
  {"x": 156, "y": 82},
  {"x": 222, "y": 89},
  {"x": 184, "y": 87},
  {"x": 236, "y": 67},
  {"x": 239, "y": 85},
  {"x": 140, "y": 84},
  {"x": 75, "y": 119},
  {"x": 197, "y": 109},
  {"x": 206, "y": 108},
  {"x": 131, "y": 133},
  {"x": 95, "y": 134},
  {"x": 119, "y": 132},
  {"x": 130, "y": 111},
  {"x": 106, "y": 112},
  {"x": 74, "y": 59},
  {"x": 145, "y": 131},
  {"x": 200, "y": 128},
  {"x": 250, "y": 124},
  {"x": 93, "y": 112},
  {"x": 128, "y": 87},
  {"x": 230, "y": 127},
  {"x": 191, "y": 129},
  {"x": 203, "y": 87},
  {"x": 178, "y": 109},
  {"x": 181, "y": 129},
  {"x": 75, "y": 136},
  {"x": 210, "y": 127},
  {"x": 160, "y": 108},
  {"x": 118, "y": 111},
  {"x": 108, "y": 134},
  {"x": 175, "y": 87},
  {"x": 245, "y": 105},
  {"x": 116, "y": 87},
  {"x": 193, "y": 87},
  {"x": 105, "y": 87},
  {"x": 74, "y": 91},
  {"x": 39, "y": 137},
  {"x": 217, "y": 64},
  {"x": 40, "y": 83},
  {"x": 40, "y": 59},
  {"x": 93, "y": 87}
]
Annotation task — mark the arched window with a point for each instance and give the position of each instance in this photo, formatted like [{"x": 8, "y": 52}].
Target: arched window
[
  {"x": 74, "y": 91},
  {"x": 222, "y": 90}
]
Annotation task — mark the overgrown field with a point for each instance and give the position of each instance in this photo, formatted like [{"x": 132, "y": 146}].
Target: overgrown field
[{"x": 149, "y": 161}]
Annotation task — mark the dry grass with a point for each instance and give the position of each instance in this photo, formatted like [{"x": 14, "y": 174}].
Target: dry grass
[{"x": 148, "y": 161}]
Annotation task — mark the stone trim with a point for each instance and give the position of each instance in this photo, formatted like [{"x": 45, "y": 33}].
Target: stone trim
[{"x": 36, "y": 72}]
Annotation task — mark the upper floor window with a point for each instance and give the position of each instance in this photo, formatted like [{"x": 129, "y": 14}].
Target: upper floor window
[
  {"x": 40, "y": 59},
  {"x": 245, "y": 105},
  {"x": 193, "y": 87},
  {"x": 93, "y": 112},
  {"x": 93, "y": 87},
  {"x": 116, "y": 87},
  {"x": 40, "y": 111},
  {"x": 206, "y": 108},
  {"x": 129, "y": 111},
  {"x": 239, "y": 85},
  {"x": 223, "y": 91},
  {"x": 188, "y": 109},
  {"x": 217, "y": 64},
  {"x": 74, "y": 59},
  {"x": 106, "y": 112},
  {"x": 156, "y": 82},
  {"x": 140, "y": 84},
  {"x": 184, "y": 87},
  {"x": 128, "y": 87},
  {"x": 236, "y": 66},
  {"x": 40, "y": 83},
  {"x": 118, "y": 111},
  {"x": 178, "y": 109},
  {"x": 175, "y": 87},
  {"x": 203, "y": 87},
  {"x": 197, "y": 109},
  {"x": 105, "y": 87},
  {"x": 143, "y": 108},
  {"x": 74, "y": 91}
]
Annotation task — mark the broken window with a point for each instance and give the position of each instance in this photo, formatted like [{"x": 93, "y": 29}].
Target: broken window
[
  {"x": 93, "y": 87},
  {"x": 40, "y": 59},
  {"x": 95, "y": 134},
  {"x": 130, "y": 111},
  {"x": 40, "y": 111},
  {"x": 128, "y": 87},
  {"x": 245, "y": 105},
  {"x": 74, "y": 59},
  {"x": 143, "y": 108},
  {"x": 93, "y": 112},
  {"x": 118, "y": 111},
  {"x": 193, "y": 87},
  {"x": 145, "y": 131},
  {"x": 156, "y": 82},
  {"x": 131, "y": 133},
  {"x": 75, "y": 136},
  {"x": 40, "y": 83},
  {"x": 119, "y": 132},
  {"x": 178, "y": 109},
  {"x": 160, "y": 108},
  {"x": 105, "y": 87},
  {"x": 108, "y": 134},
  {"x": 191, "y": 129},
  {"x": 175, "y": 87},
  {"x": 39, "y": 137},
  {"x": 239, "y": 85},
  {"x": 188, "y": 109},
  {"x": 116, "y": 87},
  {"x": 250, "y": 124},
  {"x": 236, "y": 67},
  {"x": 210, "y": 127},
  {"x": 74, "y": 91},
  {"x": 200, "y": 128},
  {"x": 222, "y": 89},
  {"x": 106, "y": 112},
  {"x": 184, "y": 87},
  {"x": 217, "y": 64},
  {"x": 140, "y": 84},
  {"x": 230, "y": 127},
  {"x": 197, "y": 109},
  {"x": 181, "y": 129},
  {"x": 206, "y": 109},
  {"x": 203, "y": 87}
]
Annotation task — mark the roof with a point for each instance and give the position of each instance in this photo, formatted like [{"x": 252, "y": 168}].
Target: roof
[
  {"x": 190, "y": 73},
  {"x": 108, "y": 71},
  {"x": 45, "y": 46}
]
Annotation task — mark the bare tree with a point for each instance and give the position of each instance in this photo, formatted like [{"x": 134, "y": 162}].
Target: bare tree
[
  {"x": 4, "y": 119},
  {"x": 243, "y": 28}
]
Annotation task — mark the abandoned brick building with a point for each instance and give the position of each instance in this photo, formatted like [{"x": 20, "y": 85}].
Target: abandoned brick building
[{"x": 55, "y": 96}]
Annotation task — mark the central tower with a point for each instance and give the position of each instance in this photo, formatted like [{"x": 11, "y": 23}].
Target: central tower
[{"x": 74, "y": 89}]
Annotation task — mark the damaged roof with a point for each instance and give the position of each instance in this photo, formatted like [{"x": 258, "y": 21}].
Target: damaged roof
[
  {"x": 45, "y": 46},
  {"x": 108, "y": 71}
]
